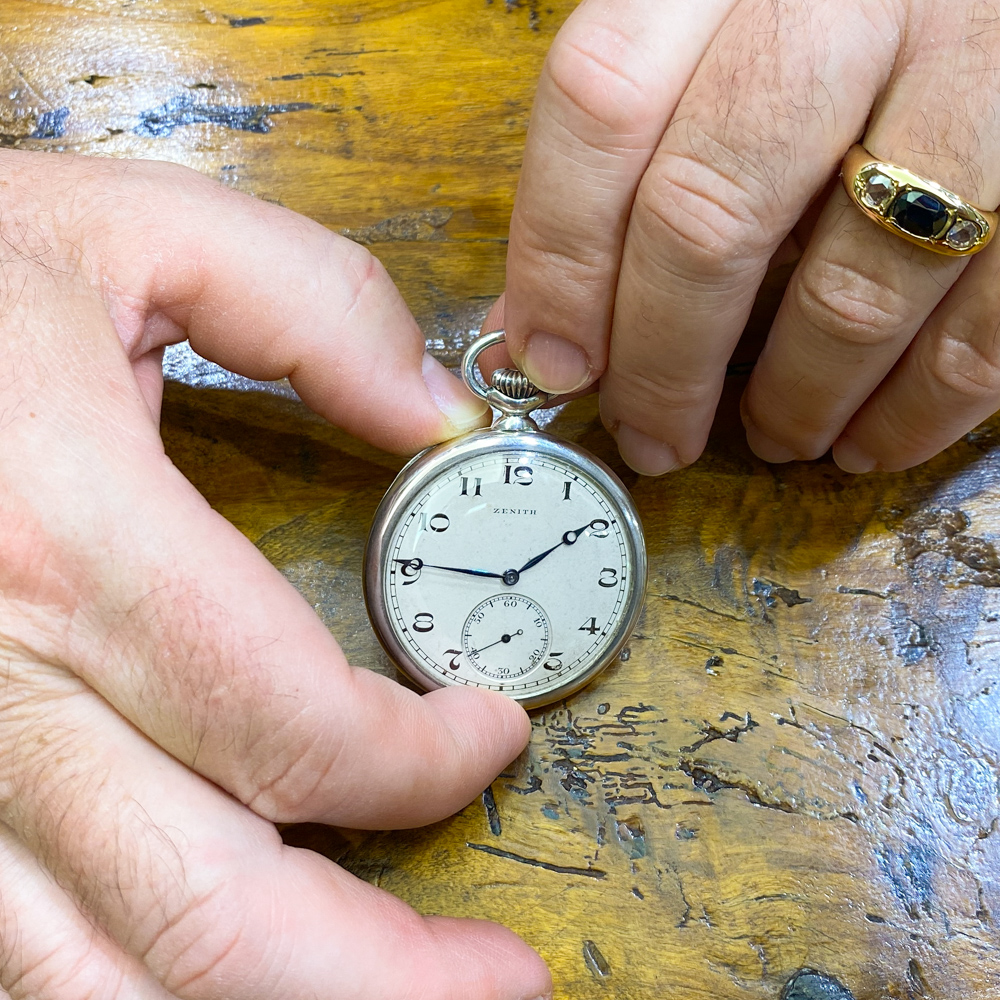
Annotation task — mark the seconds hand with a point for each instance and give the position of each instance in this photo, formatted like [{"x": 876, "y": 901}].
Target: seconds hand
[{"x": 503, "y": 638}]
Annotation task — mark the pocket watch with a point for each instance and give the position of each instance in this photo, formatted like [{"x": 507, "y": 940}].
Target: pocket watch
[{"x": 507, "y": 558}]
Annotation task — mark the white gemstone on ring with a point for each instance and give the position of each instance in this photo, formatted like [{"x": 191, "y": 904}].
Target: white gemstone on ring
[
  {"x": 964, "y": 234},
  {"x": 877, "y": 190}
]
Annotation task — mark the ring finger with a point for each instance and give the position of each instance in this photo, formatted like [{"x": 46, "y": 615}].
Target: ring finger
[{"x": 861, "y": 293}]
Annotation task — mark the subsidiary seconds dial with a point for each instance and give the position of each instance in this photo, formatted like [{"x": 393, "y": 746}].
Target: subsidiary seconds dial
[{"x": 506, "y": 636}]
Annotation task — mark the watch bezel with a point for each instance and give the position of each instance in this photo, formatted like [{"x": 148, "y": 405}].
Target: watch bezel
[{"x": 420, "y": 471}]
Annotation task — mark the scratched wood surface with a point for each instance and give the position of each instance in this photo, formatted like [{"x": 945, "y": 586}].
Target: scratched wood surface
[{"x": 790, "y": 788}]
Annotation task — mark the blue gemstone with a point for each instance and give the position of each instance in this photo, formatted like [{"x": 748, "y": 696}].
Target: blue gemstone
[{"x": 920, "y": 214}]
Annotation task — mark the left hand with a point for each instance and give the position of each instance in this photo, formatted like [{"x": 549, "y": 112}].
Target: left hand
[
  {"x": 675, "y": 148},
  {"x": 166, "y": 696}
]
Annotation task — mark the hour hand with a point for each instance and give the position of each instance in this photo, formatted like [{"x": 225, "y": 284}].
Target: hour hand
[
  {"x": 568, "y": 538},
  {"x": 411, "y": 570}
]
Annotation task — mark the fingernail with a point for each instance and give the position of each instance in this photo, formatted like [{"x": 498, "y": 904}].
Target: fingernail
[
  {"x": 554, "y": 363},
  {"x": 764, "y": 448},
  {"x": 853, "y": 459},
  {"x": 646, "y": 455},
  {"x": 462, "y": 410}
]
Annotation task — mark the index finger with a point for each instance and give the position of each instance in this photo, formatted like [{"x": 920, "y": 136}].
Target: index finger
[{"x": 610, "y": 84}]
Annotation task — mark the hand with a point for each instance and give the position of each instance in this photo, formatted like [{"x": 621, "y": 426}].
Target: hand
[
  {"x": 411, "y": 569},
  {"x": 167, "y": 695},
  {"x": 568, "y": 538},
  {"x": 676, "y": 148},
  {"x": 506, "y": 637}
]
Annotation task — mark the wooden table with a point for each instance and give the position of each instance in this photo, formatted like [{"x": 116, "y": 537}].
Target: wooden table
[{"x": 797, "y": 766}]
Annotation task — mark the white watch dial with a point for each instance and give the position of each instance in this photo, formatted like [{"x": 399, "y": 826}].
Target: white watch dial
[{"x": 510, "y": 570}]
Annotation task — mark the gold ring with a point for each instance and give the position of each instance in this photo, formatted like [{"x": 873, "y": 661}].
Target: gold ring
[{"x": 914, "y": 208}]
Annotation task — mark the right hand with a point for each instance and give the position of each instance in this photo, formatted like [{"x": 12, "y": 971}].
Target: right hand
[
  {"x": 167, "y": 696},
  {"x": 677, "y": 149}
]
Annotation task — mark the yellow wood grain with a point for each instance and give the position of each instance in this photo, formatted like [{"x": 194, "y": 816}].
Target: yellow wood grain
[{"x": 797, "y": 766}]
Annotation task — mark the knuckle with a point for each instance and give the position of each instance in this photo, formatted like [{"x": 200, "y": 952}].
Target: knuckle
[
  {"x": 558, "y": 255},
  {"x": 160, "y": 177},
  {"x": 704, "y": 213},
  {"x": 849, "y": 305},
  {"x": 199, "y": 941},
  {"x": 963, "y": 365},
  {"x": 140, "y": 191},
  {"x": 586, "y": 67},
  {"x": 360, "y": 276},
  {"x": 648, "y": 391},
  {"x": 283, "y": 786}
]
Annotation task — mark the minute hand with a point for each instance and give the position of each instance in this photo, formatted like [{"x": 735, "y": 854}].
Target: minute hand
[
  {"x": 568, "y": 538},
  {"x": 469, "y": 572},
  {"x": 419, "y": 564}
]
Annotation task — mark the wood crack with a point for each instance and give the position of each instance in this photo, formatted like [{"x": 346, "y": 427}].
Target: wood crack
[{"x": 595, "y": 873}]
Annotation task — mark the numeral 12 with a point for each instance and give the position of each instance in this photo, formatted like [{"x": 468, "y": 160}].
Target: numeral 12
[{"x": 523, "y": 474}]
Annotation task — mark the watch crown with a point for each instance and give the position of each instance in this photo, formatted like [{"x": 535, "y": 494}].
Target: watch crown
[{"x": 513, "y": 383}]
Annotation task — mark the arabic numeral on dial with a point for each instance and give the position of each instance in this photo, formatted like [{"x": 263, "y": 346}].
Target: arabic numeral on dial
[
  {"x": 410, "y": 569},
  {"x": 566, "y": 488},
  {"x": 553, "y": 662},
  {"x": 608, "y": 578},
  {"x": 423, "y": 622},
  {"x": 477, "y": 492},
  {"x": 523, "y": 475},
  {"x": 590, "y": 625},
  {"x": 539, "y": 623},
  {"x": 453, "y": 665},
  {"x": 434, "y": 522},
  {"x": 598, "y": 528}
]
